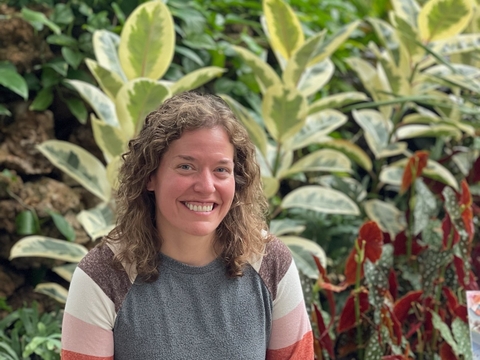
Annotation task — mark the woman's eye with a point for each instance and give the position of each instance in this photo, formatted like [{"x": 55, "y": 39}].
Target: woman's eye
[
  {"x": 185, "y": 167},
  {"x": 223, "y": 170}
]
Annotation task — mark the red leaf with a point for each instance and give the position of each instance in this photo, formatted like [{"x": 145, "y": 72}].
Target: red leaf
[
  {"x": 446, "y": 352},
  {"x": 447, "y": 232},
  {"x": 452, "y": 301},
  {"x": 347, "y": 317},
  {"x": 400, "y": 245},
  {"x": 324, "y": 338},
  {"x": 393, "y": 283},
  {"x": 462, "y": 313},
  {"x": 351, "y": 268},
  {"x": 373, "y": 237},
  {"x": 392, "y": 324},
  {"x": 404, "y": 304},
  {"x": 415, "y": 165},
  {"x": 323, "y": 279}
]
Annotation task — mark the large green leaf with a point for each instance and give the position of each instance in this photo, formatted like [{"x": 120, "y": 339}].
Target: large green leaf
[
  {"x": 147, "y": 41},
  {"x": 297, "y": 64},
  {"x": 408, "y": 10},
  {"x": 315, "y": 77},
  {"x": 317, "y": 127},
  {"x": 108, "y": 138},
  {"x": 321, "y": 160},
  {"x": 79, "y": 164},
  {"x": 270, "y": 186},
  {"x": 391, "y": 175},
  {"x": 275, "y": 162},
  {"x": 286, "y": 226},
  {"x": 264, "y": 73},
  {"x": 320, "y": 199},
  {"x": 255, "y": 131},
  {"x": 351, "y": 150},
  {"x": 97, "y": 221},
  {"x": 13, "y": 81},
  {"x": 196, "y": 78},
  {"x": 135, "y": 100},
  {"x": 302, "y": 250},
  {"x": 105, "y": 46},
  {"x": 284, "y": 28},
  {"x": 386, "y": 215},
  {"x": 457, "y": 44},
  {"x": 337, "y": 101},
  {"x": 42, "y": 246},
  {"x": 433, "y": 130},
  {"x": 109, "y": 81},
  {"x": 284, "y": 111},
  {"x": 100, "y": 103},
  {"x": 53, "y": 290},
  {"x": 441, "y": 19},
  {"x": 348, "y": 186},
  {"x": 461, "y": 332}
]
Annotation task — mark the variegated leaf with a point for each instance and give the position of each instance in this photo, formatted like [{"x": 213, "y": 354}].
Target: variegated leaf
[
  {"x": 196, "y": 78},
  {"x": 388, "y": 37},
  {"x": 321, "y": 160},
  {"x": 53, "y": 290},
  {"x": 408, "y": 10},
  {"x": 42, "y": 246},
  {"x": 391, "y": 175},
  {"x": 425, "y": 206},
  {"x": 349, "y": 186},
  {"x": 317, "y": 127},
  {"x": 105, "y": 46},
  {"x": 297, "y": 64},
  {"x": 109, "y": 81},
  {"x": 113, "y": 168},
  {"x": 337, "y": 101},
  {"x": 433, "y": 130},
  {"x": 255, "y": 131},
  {"x": 284, "y": 111},
  {"x": 421, "y": 119},
  {"x": 396, "y": 77},
  {"x": 100, "y": 103},
  {"x": 351, "y": 150},
  {"x": 302, "y": 250},
  {"x": 65, "y": 271},
  {"x": 280, "y": 58},
  {"x": 386, "y": 215},
  {"x": 270, "y": 186},
  {"x": 320, "y": 199},
  {"x": 147, "y": 41},
  {"x": 97, "y": 221},
  {"x": 108, "y": 138},
  {"x": 442, "y": 19},
  {"x": 264, "y": 73},
  {"x": 284, "y": 28},
  {"x": 444, "y": 330},
  {"x": 135, "y": 100},
  {"x": 78, "y": 164},
  {"x": 461, "y": 332},
  {"x": 458, "y": 44},
  {"x": 315, "y": 77},
  {"x": 286, "y": 226}
]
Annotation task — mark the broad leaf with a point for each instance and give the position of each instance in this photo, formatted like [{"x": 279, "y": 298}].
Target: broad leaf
[
  {"x": 109, "y": 81},
  {"x": 79, "y": 164},
  {"x": 196, "y": 78},
  {"x": 284, "y": 28},
  {"x": 351, "y": 150},
  {"x": 105, "y": 46},
  {"x": 286, "y": 226},
  {"x": 457, "y": 44},
  {"x": 315, "y": 77},
  {"x": 53, "y": 290},
  {"x": 321, "y": 160},
  {"x": 108, "y": 138},
  {"x": 408, "y": 10},
  {"x": 42, "y": 246},
  {"x": 433, "y": 130},
  {"x": 43, "y": 100},
  {"x": 425, "y": 206},
  {"x": 98, "y": 221},
  {"x": 444, "y": 330},
  {"x": 147, "y": 41},
  {"x": 387, "y": 216},
  {"x": 320, "y": 199},
  {"x": 13, "y": 81},
  {"x": 270, "y": 186},
  {"x": 413, "y": 169},
  {"x": 4, "y": 111},
  {"x": 302, "y": 250},
  {"x": 337, "y": 101}
]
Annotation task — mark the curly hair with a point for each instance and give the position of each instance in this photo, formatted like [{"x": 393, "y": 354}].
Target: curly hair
[{"x": 241, "y": 234}]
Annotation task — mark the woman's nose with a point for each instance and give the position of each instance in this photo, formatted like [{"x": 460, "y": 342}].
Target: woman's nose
[{"x": 205, "y": 182}]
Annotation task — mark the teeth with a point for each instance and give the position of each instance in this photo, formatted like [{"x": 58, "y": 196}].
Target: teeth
[{"x": 199, "y": 208}]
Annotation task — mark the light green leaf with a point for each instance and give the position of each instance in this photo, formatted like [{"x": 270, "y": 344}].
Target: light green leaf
[
  {"x": 302, "y": 250},
  {"x": 42, "y": 246},
  {"x": 147, "y": 41},
  {"x": 79, "y": 164},
  {"x": 53, "y": 290},
  {"x": 98, "y": 221},
  {"x": 109, "y": 81},
  {"x": 408, "y": 10},
  {"x": 284, "y": 28},
  {"x": 425, "y": 206},
  {"x": 78, "y": 109},
  {"x": 255, "y": 131},
  {"x": 105, "y": 45},
  {"x": 386, "y": 215},
  {"x": 26, "y": 223},
  {"x": 43, "y": 100},
  {"x": 337, "y": 101},
  {"x": 444, "y": 331},
  {"x": 38, "y": 20},
  {"x": 391, "y": 175},
  {"x": 270, "y": 186},
  {"x": 135, "y": 100},
  {"x": 387, "y": 36},
  {"x": 441, "y": 19},
  {"x": 458, "y": 44},
  {"x": 284, "y": 111},
  {"x": 436, "y": 171},
  {"x": 276, "y": 161},
  {"x": 4, "y": 111},
  {"x": 100, "y": 103},
  {"x": 62, "y": 225},
  {"x": 72, "y": 57},
  {"x": 351, "y": 150},
  {"x": 321, "y": 160},
  {"x": 65, "y": 271},
  {"x": 320, "y": 199},
  {"x": 461, "y": 332},
  {"x": 315, "y": 77},
  {"x": 196, "y": 78},
  {"x": 286, "y": 226},
  {"x": 433, "y": 130},
  {"x": 13, "y": 81},
  {"x": 317, "y": 127},
  {"x": 108, "y": 138},
  {"x": 264, "y": 73},
  {"x": 348, "y": 186}
]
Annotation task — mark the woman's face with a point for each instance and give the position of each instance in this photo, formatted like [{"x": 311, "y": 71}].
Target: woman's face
[{"x": 194, "y": 184}]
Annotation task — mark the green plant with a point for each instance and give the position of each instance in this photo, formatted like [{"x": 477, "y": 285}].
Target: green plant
[{"x": 26, "y": 334}]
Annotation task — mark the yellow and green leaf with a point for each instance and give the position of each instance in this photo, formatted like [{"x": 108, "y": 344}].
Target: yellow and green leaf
[
  {"x": 42, "y": 246},
  {"x": 195, "y": 79},
  {"x": 315, "y": 77},
  {"x": 351, "y": 150},
  {"x": 105, "y": 47},
  {"x": 109, "y": 81},
  {"x": 108, "y": 138},
  {"x": 408, "y": 10},
  {"x": 337, "y": 101},
  {"x": 325, "y": 160},
  {"x": 386, "y": 215}
]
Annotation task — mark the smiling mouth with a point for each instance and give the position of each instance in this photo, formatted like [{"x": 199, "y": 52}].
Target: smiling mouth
[{"x": 200, "y": 208}]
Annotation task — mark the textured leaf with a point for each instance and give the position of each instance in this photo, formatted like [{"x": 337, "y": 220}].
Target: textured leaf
[
  {"x": 286, "y": 226},
  {"x": 441, "y": 19},
  {"x": 284, "y": 29},
  {"x": 42, "y": 246},
  {"x": 349, "y": 186},
  {"x": 387, "y": 36},
  {"x": 105, "y": 46},
  {"x": 407, "y": 10},
  {"x": 461, "y": 334},
  {"x": 302, "y": 251},
  {"x": 409, "y": 38},
  {"x": 79, "y": 164},
  {"x": 108, "y": 138},
  {"x": 387, "y": 216},
  {"x": 444, "y": 331},
  {"x": 425, "y": 206},
  {"x": 315, "y": 77},
  {"x": 97, "y": 221},
  {"x": 320, "y": 199},
  {"x": 196, "y": 78},
  {"x": 53, "y": 290},
  {"x": 13, "y": 81},
  {"x": 413, "y": 169},
  {"x": 135, "y": 100},
  {"x": 264, "y": 73},
  {"x": 351, "y": 150},
  {"x": 321, "y": 160},
  {"x": 336, "y": 101},
  {"x": 147, "y": 41},
  {"x": 391, "y": 175},
  {"x": 101, "y": 103},
  {"x": 109, "y": 81},
  {"x": 458, "y": 44},
  {"x": 284, "y": 111},
  {"x": 276, "y": 161}
]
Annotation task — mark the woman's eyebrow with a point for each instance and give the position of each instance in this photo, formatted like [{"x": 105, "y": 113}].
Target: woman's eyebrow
[{"x": 191, "y": 158}]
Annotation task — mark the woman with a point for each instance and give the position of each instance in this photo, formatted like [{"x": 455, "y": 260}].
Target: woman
[{"x": 189, "y": 272}]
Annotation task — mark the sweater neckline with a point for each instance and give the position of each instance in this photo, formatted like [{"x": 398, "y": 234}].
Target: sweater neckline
[{"x": 177, "y": 266}]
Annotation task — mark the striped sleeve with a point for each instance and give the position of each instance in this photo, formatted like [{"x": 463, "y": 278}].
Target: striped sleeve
[
  {"x": 291, "y": 336},
  {"x": 95, "y": 296}
]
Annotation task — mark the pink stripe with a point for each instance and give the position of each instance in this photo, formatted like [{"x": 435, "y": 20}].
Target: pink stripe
[
  {"x": 290, "y": 328},
  {"x": 84, "y": 338}
]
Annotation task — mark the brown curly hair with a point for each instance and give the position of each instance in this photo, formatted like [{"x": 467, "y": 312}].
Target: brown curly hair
[{"x": 240, "y": 235}]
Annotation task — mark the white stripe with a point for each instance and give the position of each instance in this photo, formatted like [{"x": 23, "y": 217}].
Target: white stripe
[{"x": 289, "y": 293}]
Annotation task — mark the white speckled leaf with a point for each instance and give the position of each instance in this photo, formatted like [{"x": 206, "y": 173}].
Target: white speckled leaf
[{"x": 42, "y": 246}]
